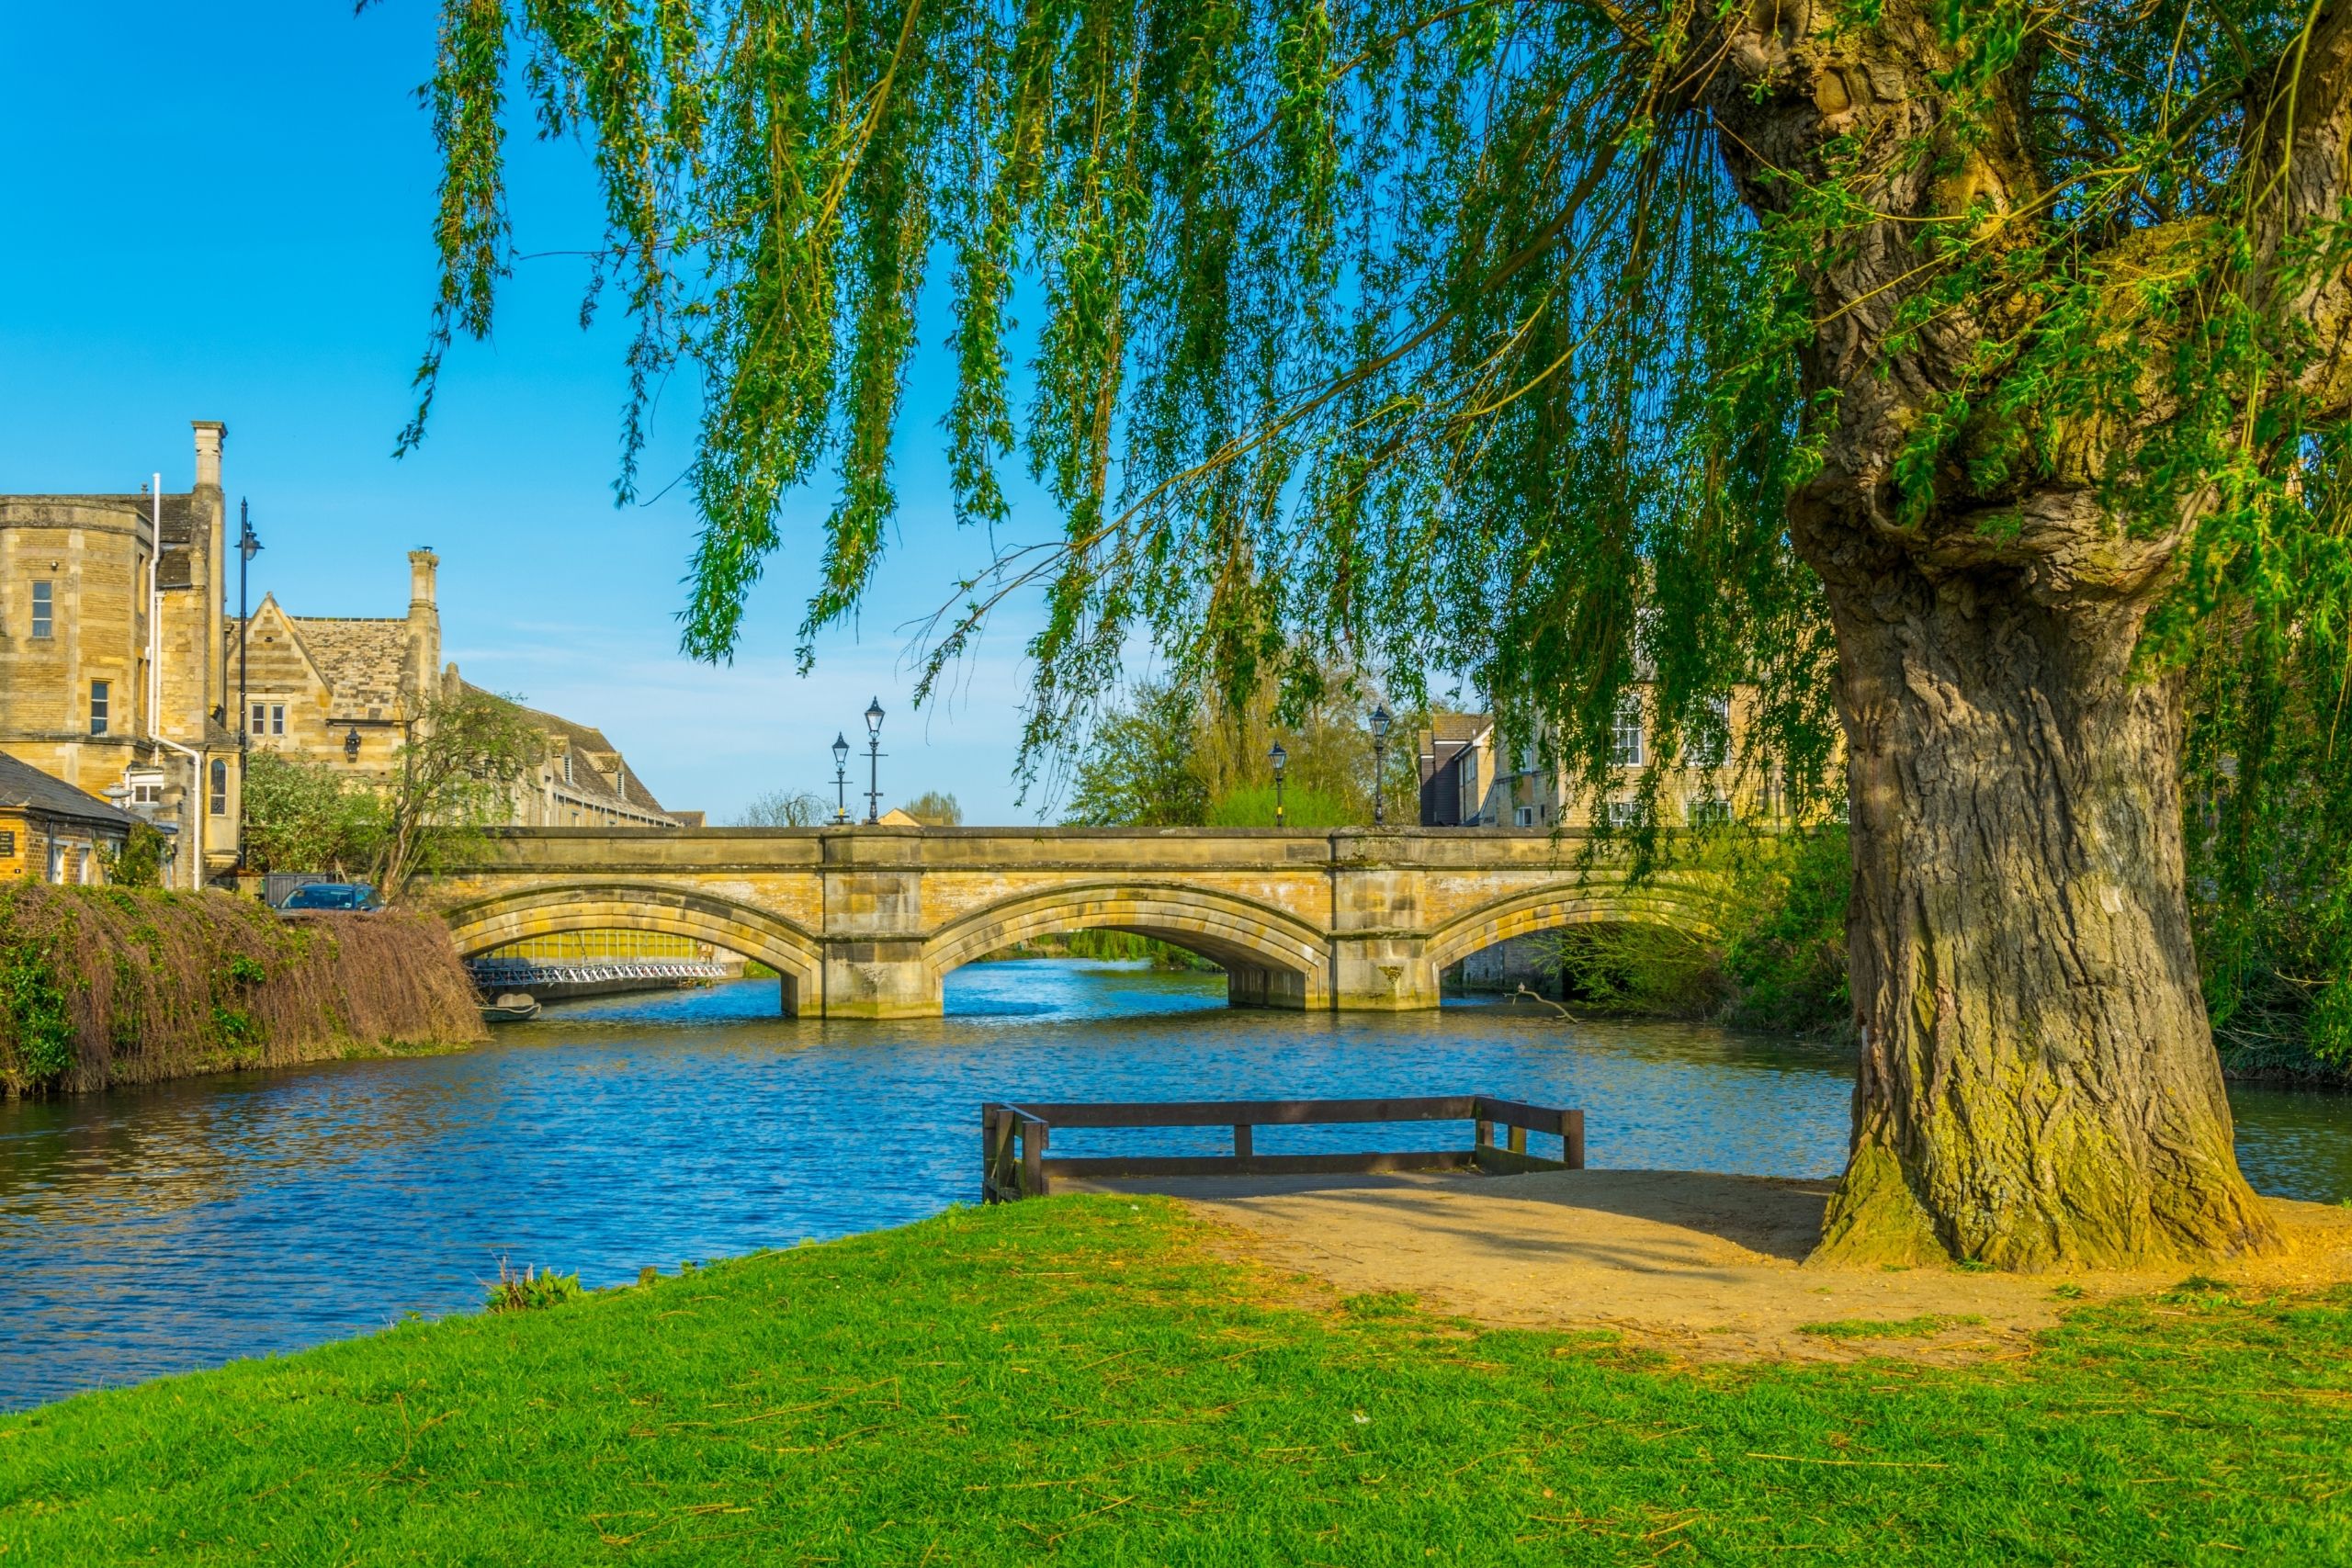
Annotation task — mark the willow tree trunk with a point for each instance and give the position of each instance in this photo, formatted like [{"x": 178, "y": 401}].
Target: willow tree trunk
[{"x": 2038, "y": 1082}]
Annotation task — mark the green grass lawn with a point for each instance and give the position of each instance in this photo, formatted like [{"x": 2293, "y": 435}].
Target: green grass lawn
[{"x": 1078, "y": 1380}]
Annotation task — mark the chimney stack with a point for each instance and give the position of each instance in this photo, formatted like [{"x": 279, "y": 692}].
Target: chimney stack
[
  {"x": 423, "y": 630},
  {"x": 209, "y": 435}
]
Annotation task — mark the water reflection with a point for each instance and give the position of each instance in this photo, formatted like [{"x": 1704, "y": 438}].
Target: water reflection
[{"x": 180, "y": 1225}]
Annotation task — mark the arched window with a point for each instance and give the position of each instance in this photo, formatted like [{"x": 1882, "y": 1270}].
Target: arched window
[{"x": 220, "y": 786}]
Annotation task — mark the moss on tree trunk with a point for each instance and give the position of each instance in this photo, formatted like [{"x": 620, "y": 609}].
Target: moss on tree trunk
[{"x": 2038, "y": 1082}]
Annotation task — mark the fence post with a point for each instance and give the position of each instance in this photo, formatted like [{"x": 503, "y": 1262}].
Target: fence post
[
  {"x": 1572, "y": 1139},
  {"x": 1033, "y": 1160},
  {"x": 1243, "y": 1148},
  {"x": 988, "y": 1153}
]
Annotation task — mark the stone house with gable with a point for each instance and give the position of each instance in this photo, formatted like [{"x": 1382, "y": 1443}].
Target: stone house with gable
[{"x": 345, "y": 690}]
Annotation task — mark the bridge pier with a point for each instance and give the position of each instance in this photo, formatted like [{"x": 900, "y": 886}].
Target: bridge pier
[
  {"x": 880, "y": 979},
  {"x": 1383, "y": 974}
]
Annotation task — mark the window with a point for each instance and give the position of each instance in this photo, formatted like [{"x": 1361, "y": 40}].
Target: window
[
  {"x": 1625, "y": 749},
  {"x": 1708, "y": 811},
  {"x": 1624, "y": 813},
  {"x": 147, "y": 789},
  {"x": 268, "y": 719},
  {"x": 1711, "y": 742},
  {"x": 1470, "y": 797},
  {"x": 1524, "y": 816},
  {"x": 1527, "y": 758},
  {"x": 7, "y": 843},
  {"x": 56, "y": 860},
  {"x": 43, "y": 608},
  {"x": 99, "y": 695},
  {"x": 219, "y": 787}
]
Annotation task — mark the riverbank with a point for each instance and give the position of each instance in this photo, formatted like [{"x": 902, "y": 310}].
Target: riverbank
[
  {"x": 1089, "y": 1378},
  {"x": 104, "y": 987}
]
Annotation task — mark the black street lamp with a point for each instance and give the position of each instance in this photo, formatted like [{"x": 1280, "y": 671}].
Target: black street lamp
[
  {"x": 248, "y": 546},
  {"x": 841, "y": 778},
  {"x": 1280, "y": 758},
  {"x": 351, "y": 744},
  {"x": 1380, "y": 722},
  {"x": 873, "y": 761}
]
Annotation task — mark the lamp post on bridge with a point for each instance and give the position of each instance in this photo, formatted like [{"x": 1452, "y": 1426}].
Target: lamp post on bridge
[
  {"x": 874, "y": 761},
  {"x": 1380, "y": 722},
  {"x": 1280, "y": 758},
  {"x": 840, "y": 779}
]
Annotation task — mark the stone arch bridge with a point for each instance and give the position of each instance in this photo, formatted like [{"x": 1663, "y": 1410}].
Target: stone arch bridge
[{"x": 868, "y": 922}]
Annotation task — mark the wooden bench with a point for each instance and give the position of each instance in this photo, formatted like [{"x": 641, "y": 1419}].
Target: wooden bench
[{"x": 1014, "y": 1138}]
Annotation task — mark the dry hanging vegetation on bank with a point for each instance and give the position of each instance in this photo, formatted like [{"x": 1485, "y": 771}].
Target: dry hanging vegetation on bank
[{"x": 104, "y": 986}]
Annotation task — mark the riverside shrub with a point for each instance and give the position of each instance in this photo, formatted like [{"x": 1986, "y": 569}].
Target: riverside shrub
[{"x": 103, "y": 986}]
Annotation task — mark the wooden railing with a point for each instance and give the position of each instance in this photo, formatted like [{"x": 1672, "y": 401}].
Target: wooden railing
[{"x": 1013, "y": 1139}]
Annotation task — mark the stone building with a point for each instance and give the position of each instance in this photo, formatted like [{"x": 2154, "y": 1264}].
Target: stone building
[
  {"x": 1456, "y": 754},
  {"x": 1470, "y": 780},
  {"x": 110, "y": 641},
  {"x": 347, "y": 691},
  {"x": 53, "y": 831},
  {"x": 120, "y": 664}
]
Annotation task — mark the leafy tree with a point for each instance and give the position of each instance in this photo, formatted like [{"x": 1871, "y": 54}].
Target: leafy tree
[
  {"x": 1169, "y": 757},
  {"x": 786, "y": 808},
  {"x": 140, "y": 862},
  {"x": 305, "y": 816},
  {"x": 2269, "y": 824},
  {"x": 933, "y": 808},
  {"x": 456, "y": 776},
  {"x": 1965, "y": 364},
  {"x": 1142, "y": 765}
]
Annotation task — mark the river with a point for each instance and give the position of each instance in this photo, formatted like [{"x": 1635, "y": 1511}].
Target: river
[{"x": 178, "y": 1226}]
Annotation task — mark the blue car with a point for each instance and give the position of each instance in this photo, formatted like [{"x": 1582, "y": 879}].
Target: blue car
[{"x": 332, "y": 896}]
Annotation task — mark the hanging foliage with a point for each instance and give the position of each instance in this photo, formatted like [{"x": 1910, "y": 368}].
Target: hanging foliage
[{"x": 1969, "y": 366}]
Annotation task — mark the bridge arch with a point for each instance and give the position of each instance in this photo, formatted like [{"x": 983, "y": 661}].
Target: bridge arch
[
  {"x": 1271, "y": 958},
  {"x": 551, "y": 909},
  {"x": 1685, "y": 903}
]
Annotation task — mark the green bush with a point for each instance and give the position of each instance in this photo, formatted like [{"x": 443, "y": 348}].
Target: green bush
[
  {"x": 1253, "y": 806},
  {"x": 1785, "y": 955},
  {"x": 1778, "y": 959},
  {"x": 34, "y": 1006}
]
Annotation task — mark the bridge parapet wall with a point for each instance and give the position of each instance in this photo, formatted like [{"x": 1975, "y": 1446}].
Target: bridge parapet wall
[{"x": 868, "y": 922}]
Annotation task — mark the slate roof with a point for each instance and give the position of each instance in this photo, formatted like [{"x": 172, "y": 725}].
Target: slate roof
[
  {"x": 589, "y": 749},
  {"x": 22, "y": 785},
  {"x": 362, "y": 657}
]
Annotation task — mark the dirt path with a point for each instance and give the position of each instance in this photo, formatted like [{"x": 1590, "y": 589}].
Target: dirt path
[{"x": 1704, "y": 1266}]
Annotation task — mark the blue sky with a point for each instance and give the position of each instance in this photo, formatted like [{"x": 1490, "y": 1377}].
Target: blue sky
[{"x": 220, "y": 212}]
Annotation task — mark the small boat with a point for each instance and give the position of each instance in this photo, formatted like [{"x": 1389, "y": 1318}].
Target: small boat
[{"x": 512, "y": 1007}]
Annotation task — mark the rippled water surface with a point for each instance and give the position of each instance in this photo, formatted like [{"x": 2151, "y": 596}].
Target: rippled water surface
[{"x": 159, "y": 1229}]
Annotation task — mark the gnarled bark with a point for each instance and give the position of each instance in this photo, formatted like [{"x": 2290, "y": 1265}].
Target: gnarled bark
[{"x": 2038, "y": 1084}]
